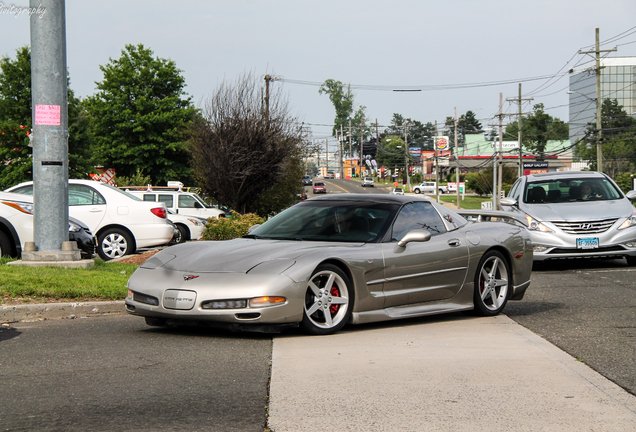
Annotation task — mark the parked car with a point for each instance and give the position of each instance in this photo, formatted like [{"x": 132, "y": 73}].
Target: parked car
[
  {"x": 367, "y": 182},
  {"x": 16, "y": 227},
  {"x": 176, "y": 199},
  {"x": 430, "y": 188},
  {"x": 122, "y": 223},
  {"x": 575, "y": 214},
  {"x": 307, "y": 180},
  {"x": 320, "y": 187},
  {"x": 338, "y": 259},
  {"x": 397, "y": 191},
  {"x": 188, "y": 227}
]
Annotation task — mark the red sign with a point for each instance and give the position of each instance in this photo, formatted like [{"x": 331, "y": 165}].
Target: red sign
[
  {"x": 105, "y": 176},
  {"x": 48, "y": 115}
]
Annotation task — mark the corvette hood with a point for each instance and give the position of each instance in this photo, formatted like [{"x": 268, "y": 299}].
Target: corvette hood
[
  {"x": 238, "y": 255},
  {"x": 580, "y": 211}
]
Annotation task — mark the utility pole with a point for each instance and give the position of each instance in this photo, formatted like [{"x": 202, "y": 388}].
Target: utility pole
[
  {"x": 406, "y": 158},
  {"x": 361, "y": 144},
  {"x": 268, "y": 78},
  {"x": 457, "y": 161},
  {"x": 353, "y": 169},
  {"x": 436, "y": 166},
  {"x": 599, "y": 102},
  {"x": 341, "y": 155},
  {"x": 49, "y": 99},
  {"x": 496, "y": 155},
  {"x": 520, "y": 100}
]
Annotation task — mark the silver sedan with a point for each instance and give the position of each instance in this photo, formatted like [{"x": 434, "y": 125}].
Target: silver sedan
[{"x": 333, "y": 260}]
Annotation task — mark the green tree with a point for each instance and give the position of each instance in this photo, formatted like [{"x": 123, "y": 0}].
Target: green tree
[
  {"x": 341, "y": 97},
  {"x": 419, "y": 135},
  {"x": 538, "y": 128},
  {"x": 15, "y": 124},
  {"x": 140, "y": 117},
  {"x": 619, "y": 140}
]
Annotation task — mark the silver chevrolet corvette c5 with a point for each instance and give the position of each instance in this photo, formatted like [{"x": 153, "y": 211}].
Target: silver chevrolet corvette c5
[{"x": 333, "y": 260}]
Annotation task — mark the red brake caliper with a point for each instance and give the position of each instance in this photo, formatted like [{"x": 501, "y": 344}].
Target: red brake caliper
[{"x": 335, "y": 292}]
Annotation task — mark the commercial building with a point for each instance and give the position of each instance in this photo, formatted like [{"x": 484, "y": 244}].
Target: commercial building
[{"x": 618, "y": 78}]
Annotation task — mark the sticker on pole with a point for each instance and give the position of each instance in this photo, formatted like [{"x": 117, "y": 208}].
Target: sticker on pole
[{"x": 48, "y": 115}]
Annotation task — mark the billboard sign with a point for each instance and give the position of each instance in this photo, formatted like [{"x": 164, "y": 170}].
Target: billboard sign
[
  {"x": 442, "y": 143},
  {"x": 535, "y": 168}
]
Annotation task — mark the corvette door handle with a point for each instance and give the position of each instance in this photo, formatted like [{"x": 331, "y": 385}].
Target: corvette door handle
[{"x": 454, "y": 242}]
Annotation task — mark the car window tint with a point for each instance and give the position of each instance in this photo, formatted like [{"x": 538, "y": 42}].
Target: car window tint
[
  {"x": 84, "y": 195},
  {"x": 569, "y": 190},
  {"x": 150, "y": 197},
  {"x": 167, "y": 199},
  {"x": 24, "y": 190},
  {"x": 417, "y": 215},
  {"x": 186, "y": 201}
]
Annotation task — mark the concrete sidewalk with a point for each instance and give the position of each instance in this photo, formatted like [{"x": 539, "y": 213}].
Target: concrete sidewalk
[{"x": 453, "y": 373}]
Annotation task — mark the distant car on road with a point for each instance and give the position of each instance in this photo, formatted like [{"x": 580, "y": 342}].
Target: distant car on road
[
  {"x": 430, "y": 188},
  {"x": 575, "y": 214},
  {"x": 307, "y": 181},
  {"x": 367, "y": 182},
  {"x": 397, "y": 191},
  {"x": 319, "y": 187},
  {"x": 330, "y": 175}
]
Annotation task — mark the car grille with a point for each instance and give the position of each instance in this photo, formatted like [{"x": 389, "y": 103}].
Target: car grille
[
  {"x": 584, "y": 228},
  {"x": 583, "y": 252}
]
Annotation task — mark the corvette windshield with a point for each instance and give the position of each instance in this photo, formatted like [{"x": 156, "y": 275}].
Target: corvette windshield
[{"x": 335, "y": 221}]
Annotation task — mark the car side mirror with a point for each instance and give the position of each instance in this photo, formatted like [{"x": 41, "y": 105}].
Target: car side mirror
[
  {"x": 631, "y": 195},
  {"x": 508, "y": 202},
  {"x": 416, "y": 235}
]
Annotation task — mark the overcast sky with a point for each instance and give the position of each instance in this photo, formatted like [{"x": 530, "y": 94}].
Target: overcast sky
[{"x": 383, "y": 44}]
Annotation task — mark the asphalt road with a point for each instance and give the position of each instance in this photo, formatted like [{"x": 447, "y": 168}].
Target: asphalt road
[
  {"x": 117, "y": 374},
  {"x": 588, "y": 309}
]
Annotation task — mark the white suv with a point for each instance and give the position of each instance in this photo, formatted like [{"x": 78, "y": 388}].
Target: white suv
[
  {"x": 120, "y": 222},
  {"x": 367, "y": 181},
  {"x": 175, "y": 199}
]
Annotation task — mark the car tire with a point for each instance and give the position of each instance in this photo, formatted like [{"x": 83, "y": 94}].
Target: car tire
[
  {"x": 492, "y": 284},
  {"x": 155, "y": 322},
  {"x": 5, "y": 246},
  {"x": 114, "y": 243},
  {"x": 184, "y": 234},
  {"x": 417, "y": 191},
  {"x": 631, "y": 260},
  {"x": 328, "y": 302}
]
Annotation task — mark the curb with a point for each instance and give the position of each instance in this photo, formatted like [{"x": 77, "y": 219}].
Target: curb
[{"x": 35, "y": 312}]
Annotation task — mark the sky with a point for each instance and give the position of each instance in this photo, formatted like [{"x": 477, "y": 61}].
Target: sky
[{"x": 462, "y": 53}]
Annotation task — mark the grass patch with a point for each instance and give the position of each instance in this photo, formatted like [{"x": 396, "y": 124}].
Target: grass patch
[
  {"x": 105, "y": 281},
  {"x": 469, "y": 202}
]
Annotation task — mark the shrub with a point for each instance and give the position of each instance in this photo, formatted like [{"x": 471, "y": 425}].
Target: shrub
[{"x": 229, "y": 228}]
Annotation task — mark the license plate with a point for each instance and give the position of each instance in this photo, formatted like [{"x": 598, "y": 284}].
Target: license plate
[
  {"x": 179, "y": 299},
  {"x": 587, "y": 243}
]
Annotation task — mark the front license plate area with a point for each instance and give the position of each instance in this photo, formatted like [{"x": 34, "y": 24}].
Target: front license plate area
[
  {"x": 179, "y": 299},
  {"x": 587, "y": 243}
]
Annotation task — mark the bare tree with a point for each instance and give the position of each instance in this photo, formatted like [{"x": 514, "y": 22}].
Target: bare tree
[{"x": 243, "y": 150}]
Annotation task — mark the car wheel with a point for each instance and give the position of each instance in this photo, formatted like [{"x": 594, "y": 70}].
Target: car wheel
[
  {"x": 492, "y": 284},
  {"x": 155, "y": 322},
  {"x": 328, "y": 301},
  {"x": 5, "y": 245},
  {"x": 114, "y": 243},
  {"x": 183, "y": 234},
  {"x": 631, "y": 260},
  {"x": 417, "y": 191}
]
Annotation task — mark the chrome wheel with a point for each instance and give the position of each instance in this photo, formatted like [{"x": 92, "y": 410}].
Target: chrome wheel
[
  {"x": 114, "y": 244},
  {"x": 492, "y": 284},
  {"x": 328, "y": 301}
]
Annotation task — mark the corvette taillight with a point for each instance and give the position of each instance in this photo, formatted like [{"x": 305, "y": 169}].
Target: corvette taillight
[{"x": 159, "y": 212}]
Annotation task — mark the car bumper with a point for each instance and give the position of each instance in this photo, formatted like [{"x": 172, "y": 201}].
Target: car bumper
[
  {"x": 210, "y": 287},
  {"x": 612, "y": 243},
  {"x": 151, "y": 234}
]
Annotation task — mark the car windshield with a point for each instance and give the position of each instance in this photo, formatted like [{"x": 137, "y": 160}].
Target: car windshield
[
  {"x": 333, "y": 221},
  {"x": 570, "y": 190}
]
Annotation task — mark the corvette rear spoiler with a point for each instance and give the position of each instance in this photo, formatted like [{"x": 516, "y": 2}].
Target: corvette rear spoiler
[{"x": 491, "y": 215}]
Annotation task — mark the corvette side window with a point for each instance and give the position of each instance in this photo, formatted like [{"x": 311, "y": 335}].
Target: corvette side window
[{"x": 418, "y": 215}]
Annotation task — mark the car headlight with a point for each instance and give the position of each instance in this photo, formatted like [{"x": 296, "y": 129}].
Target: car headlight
[
  {"x": 73, "y": 227},
  {"x": 24, "y": 207},
  {"x": 534, "y": 225},
  {"x": 629, "y": 222},
  {"x": 196, "y": 222}
]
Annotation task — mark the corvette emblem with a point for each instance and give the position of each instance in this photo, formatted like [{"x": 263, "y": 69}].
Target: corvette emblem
[{"x": 189, "y": 277}]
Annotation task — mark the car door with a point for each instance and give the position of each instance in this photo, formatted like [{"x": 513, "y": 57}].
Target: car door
[
  {"x": 87, "y": 205},
  {"x": 423, "y": 271}
]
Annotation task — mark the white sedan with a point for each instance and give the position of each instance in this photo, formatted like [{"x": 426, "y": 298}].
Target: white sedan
[
  {"x": 189, "y": 227},
  {"x": 121, "y": 223}
]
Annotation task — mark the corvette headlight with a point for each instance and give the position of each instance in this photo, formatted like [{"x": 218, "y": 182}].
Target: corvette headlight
[
  {"x": 534, "y": 225},
  {"x": 629, "y": 222}
]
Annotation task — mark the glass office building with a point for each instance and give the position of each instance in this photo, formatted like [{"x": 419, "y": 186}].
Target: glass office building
[{"x": 618, "y": 81}]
